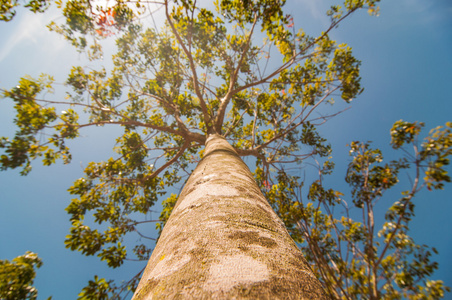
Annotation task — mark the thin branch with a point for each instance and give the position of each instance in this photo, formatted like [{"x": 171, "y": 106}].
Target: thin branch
[
  {"x": 143, "y": 236},
  {"x": 407, "y": 200},
  {"x": 170, "y": 162},
  {"x": 202, "y": 103},
  {"x": 233, "y": 80}
]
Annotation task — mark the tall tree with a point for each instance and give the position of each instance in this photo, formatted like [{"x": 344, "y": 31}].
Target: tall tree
[
  {"x": 224, "y": 241},
  {"x": 203, "y": 73}
]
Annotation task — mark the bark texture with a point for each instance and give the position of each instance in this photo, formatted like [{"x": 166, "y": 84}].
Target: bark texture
[{"x": 224, "y": 241}]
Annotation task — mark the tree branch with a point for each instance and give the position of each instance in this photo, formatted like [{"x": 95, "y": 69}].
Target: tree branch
[
  {"x": 202, "y": 103},
  {"x": 227, "y": 98}
]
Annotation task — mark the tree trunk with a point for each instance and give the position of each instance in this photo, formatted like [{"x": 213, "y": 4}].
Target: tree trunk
[{"x": 224, "y": 241}]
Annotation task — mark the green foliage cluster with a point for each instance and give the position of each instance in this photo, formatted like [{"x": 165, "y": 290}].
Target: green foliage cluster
[
  {"x": 16, "y": 277},
  {"x": 7, "y": 8},
  {"x": 205, "y": 71},
  {"x": 87, "y": 18},
  {"x": 31, "y": 119}
]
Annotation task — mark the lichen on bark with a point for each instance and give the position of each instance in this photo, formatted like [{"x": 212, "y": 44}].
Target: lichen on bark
[{"x": 224, "y": 241}]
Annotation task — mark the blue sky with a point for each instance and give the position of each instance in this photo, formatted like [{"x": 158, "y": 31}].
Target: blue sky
[{"x": 406, "y": 70}]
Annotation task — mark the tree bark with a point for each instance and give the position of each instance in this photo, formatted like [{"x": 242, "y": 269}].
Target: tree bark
[{"x": 224, "y": 241}]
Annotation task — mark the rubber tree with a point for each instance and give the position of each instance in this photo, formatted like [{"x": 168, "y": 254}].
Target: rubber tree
[{"x": 223, "y": 240}]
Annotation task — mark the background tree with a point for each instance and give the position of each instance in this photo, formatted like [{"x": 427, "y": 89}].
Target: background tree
[
  {"x": 90, "y": 80},
  {"x": 356, "y": 253}
]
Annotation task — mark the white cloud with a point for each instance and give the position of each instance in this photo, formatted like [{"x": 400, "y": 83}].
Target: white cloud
[
  {"x": 310, "y": 14},
  {"x": 316, "y": 9},
  {"x": 418, "y": 12},
  {"x": 26, "y": 32}
]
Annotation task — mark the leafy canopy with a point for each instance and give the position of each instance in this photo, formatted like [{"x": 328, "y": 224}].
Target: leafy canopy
[{"x": 241, "y": 69}]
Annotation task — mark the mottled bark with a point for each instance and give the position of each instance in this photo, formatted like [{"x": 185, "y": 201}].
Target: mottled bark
[{"x": 224, "y": 241}]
